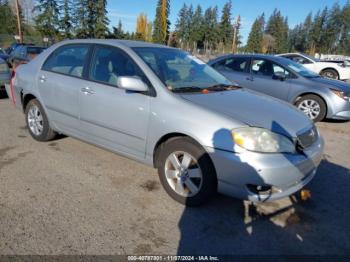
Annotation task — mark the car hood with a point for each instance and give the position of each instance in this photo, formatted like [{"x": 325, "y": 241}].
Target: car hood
[
  {"x": 332, "y": 83},
  {"x": 254, "y": 109}
]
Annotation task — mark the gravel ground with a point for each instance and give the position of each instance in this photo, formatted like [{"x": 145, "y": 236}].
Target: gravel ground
[{"x": 68, "y": 197}]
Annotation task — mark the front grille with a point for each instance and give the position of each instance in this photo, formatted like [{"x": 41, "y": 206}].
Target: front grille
[{"x": 308, "y": 138}]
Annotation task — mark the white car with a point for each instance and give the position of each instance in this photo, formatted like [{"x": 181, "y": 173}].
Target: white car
[{"x": 333, "y": 70}]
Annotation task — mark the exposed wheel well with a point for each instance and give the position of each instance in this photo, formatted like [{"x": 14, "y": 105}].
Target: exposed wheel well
[
  {"x": 26, "y": 99},
  {"x": 330, "y": 68},
  {"x": 304, "y": 94},
  {"x": 165, "y": 138}
]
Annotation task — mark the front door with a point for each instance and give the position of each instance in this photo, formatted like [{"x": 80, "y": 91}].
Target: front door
[
  {"x": 111, "y": 116},
  {"x": 262, "y": 78}
]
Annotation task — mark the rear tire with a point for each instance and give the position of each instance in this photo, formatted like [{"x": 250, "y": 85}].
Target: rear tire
[
  {"x": 194, "y": 182},
  {"x": 330, "y": 73},
  {"x": 313, "y": 106},
  {"x": 37, "y": 122}
]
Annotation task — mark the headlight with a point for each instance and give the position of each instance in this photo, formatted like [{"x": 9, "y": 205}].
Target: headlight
[
  {"x": 341, "y": 94},
  {"x": 262, "y": 140},
  {"x": 4, "y": 68}
]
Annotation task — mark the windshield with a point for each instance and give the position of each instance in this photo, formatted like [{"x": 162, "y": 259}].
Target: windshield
[
  {"x": 179, "y": 70},
  {"x": 300, "y": 69},
  {"x": 312, "y": 58}
]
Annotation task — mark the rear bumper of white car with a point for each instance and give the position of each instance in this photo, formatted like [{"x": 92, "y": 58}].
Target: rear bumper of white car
[{"x": 265, "y": 177}]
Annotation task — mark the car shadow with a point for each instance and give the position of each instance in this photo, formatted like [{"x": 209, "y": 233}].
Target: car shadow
[
  {"x": 335, "y": 121},
  {"x": 319, "y": 225}
]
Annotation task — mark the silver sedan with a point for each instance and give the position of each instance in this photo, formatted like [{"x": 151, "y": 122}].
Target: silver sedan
[
  {"x": 287, "y": 80},
  {"x": 167, "y": 109}
]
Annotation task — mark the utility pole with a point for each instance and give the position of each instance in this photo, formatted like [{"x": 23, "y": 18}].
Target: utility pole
[
  {"x": 236, "y": 26},
  {"x": 19, "y": 23}
]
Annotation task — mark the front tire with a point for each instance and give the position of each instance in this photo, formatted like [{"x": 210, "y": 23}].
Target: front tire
[
  {"x": 330, "y": 73},
  {"x": 186, "y": 171},
  {"x": 37, "y": 122},
  {"x": 313, "y": 106}
]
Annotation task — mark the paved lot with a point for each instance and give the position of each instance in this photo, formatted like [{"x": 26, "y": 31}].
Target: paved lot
[{"x": 68, "y": 197}]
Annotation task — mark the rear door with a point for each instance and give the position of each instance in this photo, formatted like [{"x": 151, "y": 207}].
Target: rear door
[
  {"x": 110, "y": 116},
  {"x": 262, "y": 78},
  {"x": 234, "y": 68},
  {"x": 59, "y": 83}
]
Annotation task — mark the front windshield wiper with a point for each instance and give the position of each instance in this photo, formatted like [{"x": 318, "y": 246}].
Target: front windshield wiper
[
  {"x": 187, "y": 89},
  {"x": 222, "y": 87},
  {"x": 215, "y": 88}
]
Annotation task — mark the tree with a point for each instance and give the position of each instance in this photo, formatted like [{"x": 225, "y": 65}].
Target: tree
[
  {"x": 181, "y": 26},
  {"x": 101, "y": 20},
  {"x": 91, "y": 18},
  {"x": 317, "y": 30},
  {"x": 7, "y": 19},
  {"x": 141, "y": 26},
  {"x": 277, "y": 27},
  {"x": 210, "y": 25},
  {"x": 66, "y": 19},
  {"x": 255, "y": 38},
  {"x": 344, "y": 39},
  {"x": 225, "y": 26},
  {"x": 161, "y": 22},
  {"x": 197, "y": 30},
  {"x": 47, "y": 20}
]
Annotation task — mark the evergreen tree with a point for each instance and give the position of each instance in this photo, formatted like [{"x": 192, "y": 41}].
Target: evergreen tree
[
  {"x": 181, "y": 26},
  {"x": 7, "y": 19},
  {"x": 66, "y": 19},
  {"x": 255, "y": 38},
  {"x": 161, "y": 22},
  {"x": 197, "y": 27},
  {"x": 210, "y": 26},
  {"x": 225, "y": 26},
  {"x": 101, "y": 20},
  {"x": 277, "y": 27},
  {"x": 332, "y": 31},
  {"x": 344, "y": 39},
  {"x": 317, "y": 30},
  {"x": 47, "y": 21}
]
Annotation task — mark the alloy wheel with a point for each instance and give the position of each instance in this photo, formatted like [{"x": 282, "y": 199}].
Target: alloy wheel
[
  {"x": 35, "y": 120},
  {"x": 183, "y": 174},
  {"x": 310, "y": 107}
]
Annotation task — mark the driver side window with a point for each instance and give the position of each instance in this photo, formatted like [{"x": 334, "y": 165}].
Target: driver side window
[{"x": 265, "y": 67}]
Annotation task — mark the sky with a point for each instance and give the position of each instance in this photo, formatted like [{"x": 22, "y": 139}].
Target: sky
[{"x": 296, "y": 10}]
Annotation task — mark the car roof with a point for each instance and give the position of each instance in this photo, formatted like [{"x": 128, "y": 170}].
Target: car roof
[
  {"x": 126, "y": 43},
  {"x": 254, "y": 56}
]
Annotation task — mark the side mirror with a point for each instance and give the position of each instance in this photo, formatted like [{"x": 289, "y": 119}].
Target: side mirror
[
  {"x": 279, "y": 76},
  {"x": 131, "y": 83}
]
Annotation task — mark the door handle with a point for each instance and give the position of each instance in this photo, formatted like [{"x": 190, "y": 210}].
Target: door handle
[
  {"x": 42, "y": 79},
  {"x": 87, "y": 91}
]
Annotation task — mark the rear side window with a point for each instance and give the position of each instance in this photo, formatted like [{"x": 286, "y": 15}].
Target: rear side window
[
  {"x": 68, "y": 60},
  {"x": 233, "y": 64}
]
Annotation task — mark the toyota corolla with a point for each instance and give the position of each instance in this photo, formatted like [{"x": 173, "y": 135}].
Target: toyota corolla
[{"x": 165, "y": 108}]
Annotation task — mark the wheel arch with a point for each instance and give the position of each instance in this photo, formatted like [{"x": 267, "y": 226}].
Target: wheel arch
[
  {"x": 25, "y": 98},
  {"x": 168, "y": 137},
  {"x": 311, "y": 93}
]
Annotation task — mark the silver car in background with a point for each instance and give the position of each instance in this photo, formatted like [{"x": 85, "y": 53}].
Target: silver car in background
[
  {"x": 287, "y": 80},
  {"x": 167, "y": 109}
]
